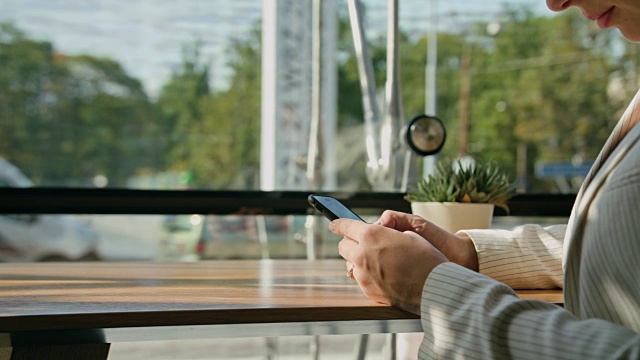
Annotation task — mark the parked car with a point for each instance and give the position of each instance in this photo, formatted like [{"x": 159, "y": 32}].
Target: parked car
[
  {"x": 194, "y": 237},
  {"x": 250, "y": 237},
  {"x": 27, "y": 237},
  {"x": 179, "y": 238}
]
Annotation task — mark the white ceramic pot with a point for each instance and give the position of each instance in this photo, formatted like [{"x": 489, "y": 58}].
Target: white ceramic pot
[{"x": 453, "y": 216}]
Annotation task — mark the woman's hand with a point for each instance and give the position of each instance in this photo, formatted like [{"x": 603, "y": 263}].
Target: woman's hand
[
  {"x": 457, "y": 248},
  {"x": 391, "y": 266}
]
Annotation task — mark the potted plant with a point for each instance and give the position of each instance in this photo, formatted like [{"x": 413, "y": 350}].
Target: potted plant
[{"x": 458, "y": 196}]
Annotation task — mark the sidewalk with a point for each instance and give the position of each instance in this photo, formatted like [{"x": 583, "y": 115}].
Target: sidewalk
[{"x": 332, "y": 347}]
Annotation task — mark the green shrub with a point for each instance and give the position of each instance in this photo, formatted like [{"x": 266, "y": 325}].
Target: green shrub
[{"x": 455, "y": 182}]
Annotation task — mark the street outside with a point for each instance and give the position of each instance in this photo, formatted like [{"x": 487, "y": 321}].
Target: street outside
[
  {"x": 127, "y": 237},
  {"x": 331, "y": 347}
]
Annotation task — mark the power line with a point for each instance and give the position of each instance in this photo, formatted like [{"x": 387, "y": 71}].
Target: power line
[{"x": 546, "y": 61}]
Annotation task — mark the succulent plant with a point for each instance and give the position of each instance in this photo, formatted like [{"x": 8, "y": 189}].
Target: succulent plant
[{"x": 455, "y": 182}]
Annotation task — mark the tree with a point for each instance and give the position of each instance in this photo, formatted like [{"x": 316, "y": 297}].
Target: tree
[
  {"x": 180, "y": 103},
  {"x": 65, "y": 119},
  {"x": 543, "y": 92},
  {"x": 25, "y": 75},
  {"x": 232, "y": 121},
  {"x": 547, "y": 84},
  {"x": 215, "y": 134},
  {"x": 108, "y": 122}
]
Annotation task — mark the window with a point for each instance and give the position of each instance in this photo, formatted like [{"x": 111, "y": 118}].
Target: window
[
  {"x": 168, "y": 96},
  {"x": 219, "y": 95}
]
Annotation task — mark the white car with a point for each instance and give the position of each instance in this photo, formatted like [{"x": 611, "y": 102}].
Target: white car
[{"x": 26, "y": 237}]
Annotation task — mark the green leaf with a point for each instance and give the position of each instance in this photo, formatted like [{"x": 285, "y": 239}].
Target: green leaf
[{"x": 453, "y": 182}]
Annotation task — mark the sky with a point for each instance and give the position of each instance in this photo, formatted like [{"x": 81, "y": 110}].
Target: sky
[{"x": 147, "y": 36}]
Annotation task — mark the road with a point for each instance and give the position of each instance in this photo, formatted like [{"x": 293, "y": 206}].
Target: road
[{"x": 127, "y": 237}]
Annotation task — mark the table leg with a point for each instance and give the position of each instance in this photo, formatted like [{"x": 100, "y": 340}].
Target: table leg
[
  {"x": 272, "y": 348},
  {"x": 360, "y": 349},
  {"x": 390, "y": 344},
  {"x": 57, "y": 352},
  {"x": 314, "y": 348}
]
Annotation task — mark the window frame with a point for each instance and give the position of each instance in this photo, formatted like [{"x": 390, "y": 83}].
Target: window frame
[{"x": 50, "y": 200}]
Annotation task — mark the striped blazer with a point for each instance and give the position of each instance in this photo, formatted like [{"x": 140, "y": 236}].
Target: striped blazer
[{"x": 595, "y": 258}]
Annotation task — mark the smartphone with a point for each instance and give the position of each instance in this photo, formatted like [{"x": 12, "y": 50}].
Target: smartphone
[{"x": 332, "y": 208}]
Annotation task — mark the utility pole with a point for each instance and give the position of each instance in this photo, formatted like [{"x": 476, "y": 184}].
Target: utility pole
[
  {"x": 465, "y": 90},
  {"x": 431, "y": 84}
]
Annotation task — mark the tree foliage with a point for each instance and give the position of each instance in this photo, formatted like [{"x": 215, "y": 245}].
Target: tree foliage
[
  {"x": 545, "y": 92},
  {"x": 550, "y": 85},
  {"x": 65, "y": 119},
  {"x": 215, "y": 135}
]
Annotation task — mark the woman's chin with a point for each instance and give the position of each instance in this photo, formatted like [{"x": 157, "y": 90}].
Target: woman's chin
[{"x": 631, "y": 35}]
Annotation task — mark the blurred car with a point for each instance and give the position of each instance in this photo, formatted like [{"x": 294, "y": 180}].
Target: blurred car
[
  {"x": 27, "y": 237},
  {"x": 197, "y": 237},
  {"x": 223, "y": 237},
  {"x": 249, "y": 237},
  {"x": 179, "y": 238}
]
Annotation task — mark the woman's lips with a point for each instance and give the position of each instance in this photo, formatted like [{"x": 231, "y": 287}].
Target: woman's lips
[{"x": 604, "y": 19}]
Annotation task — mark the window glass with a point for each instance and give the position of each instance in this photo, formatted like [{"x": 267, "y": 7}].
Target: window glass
[
  {"x": 26, "y": 237},
  {"x": 224, "y": 95},
  {"x": 220, "y": 94}
]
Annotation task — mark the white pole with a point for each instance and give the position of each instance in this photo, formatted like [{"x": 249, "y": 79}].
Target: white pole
[
  {"x": 432, "y": 61},
  {"x": 314, "y": 154},
  {"x": 431, "y": 94},
  {"x": 269, "y": 92}
]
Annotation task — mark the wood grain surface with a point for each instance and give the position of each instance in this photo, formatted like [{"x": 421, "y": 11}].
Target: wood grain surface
[{"x": 54, "y": 296}]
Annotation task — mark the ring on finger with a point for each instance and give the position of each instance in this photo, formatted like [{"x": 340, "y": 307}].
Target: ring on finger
[{"x": 350, "y": 272}]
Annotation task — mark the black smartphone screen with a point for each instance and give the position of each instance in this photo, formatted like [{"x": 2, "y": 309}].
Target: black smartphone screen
[{"x": 332, "y": 208}]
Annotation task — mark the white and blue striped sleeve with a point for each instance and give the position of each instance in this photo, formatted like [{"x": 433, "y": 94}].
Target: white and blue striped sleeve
[
  {"x": 527, "y": 257},
  {"x": 466, "y": 315}
]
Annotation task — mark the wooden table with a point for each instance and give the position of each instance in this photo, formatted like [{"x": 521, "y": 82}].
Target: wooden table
[{"x": 56, "y": 310}]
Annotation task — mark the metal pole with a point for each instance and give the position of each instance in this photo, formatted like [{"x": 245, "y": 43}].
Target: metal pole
[
  {"x": 431, "y": 86},
  {"x": 314, "y": 156},
  {"x": 431, "y": 96},
  {"x": 368, "y": 85},
  {"x": 465, "y": 90},
  {"x": 386, "y": 155},
  {"x": 393, "y": 160}
]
